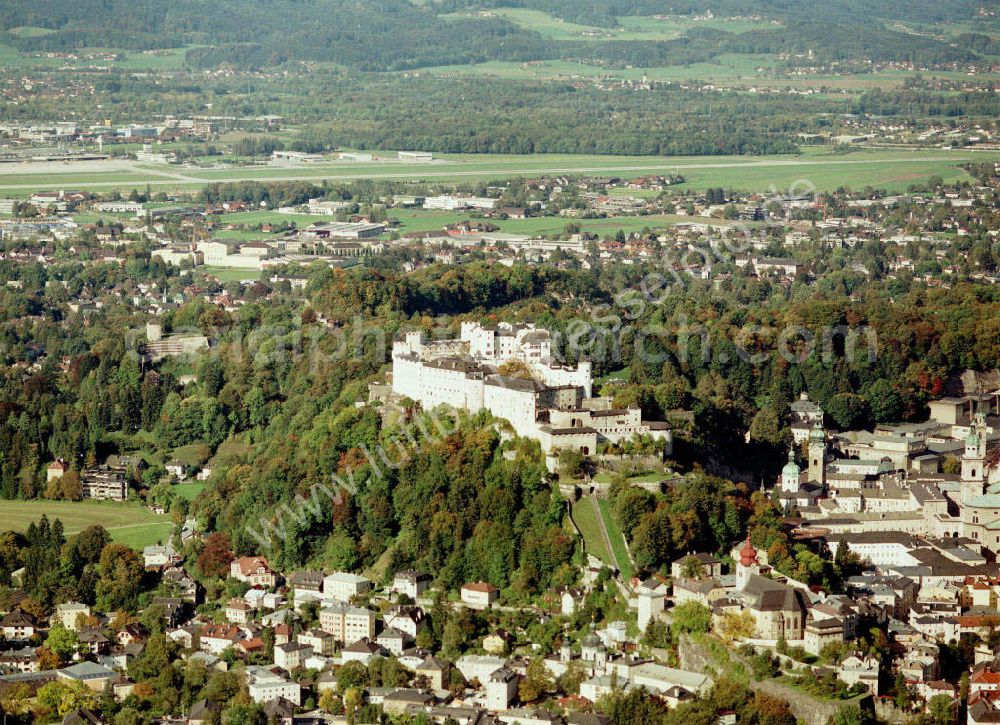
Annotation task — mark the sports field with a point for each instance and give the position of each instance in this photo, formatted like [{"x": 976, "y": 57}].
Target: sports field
[
  {"x": 892, "y": 169},
  {"x": 128, "y": 523}
]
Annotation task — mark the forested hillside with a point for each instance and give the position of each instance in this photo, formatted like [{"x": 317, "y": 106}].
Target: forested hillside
[
  {"x": 604, "y": 13},
  {"x": 282, "y": 413}
]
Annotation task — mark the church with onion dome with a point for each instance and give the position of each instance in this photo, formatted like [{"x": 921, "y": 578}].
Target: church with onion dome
[
  {"x": 798, "y": 488},
  {"x": 779, "y": 609}
]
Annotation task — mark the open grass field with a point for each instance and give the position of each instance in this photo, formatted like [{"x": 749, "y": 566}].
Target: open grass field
[
  {"x": 139, "y": 537},
  {"x": 649, "y": 27},
  {"x": 586, "y": 518},
  {"x": 128, "y": 523},
  {"x": 618, "y": 547},
  {"x": 153, "y": 60},
  {"x": 228, "y": 274},
  {"x": 893, "y": 169},
  {"x": 194, "y": 454},
  {"x": 30, "y": 31},
  {"x": 189, "y": 490}
]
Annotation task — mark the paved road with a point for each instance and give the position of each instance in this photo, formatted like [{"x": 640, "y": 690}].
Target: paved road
[{"x": 167, "y": 177}]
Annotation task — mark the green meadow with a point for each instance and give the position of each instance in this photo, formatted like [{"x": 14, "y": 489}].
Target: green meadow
[{"x": 128, "y": 523}]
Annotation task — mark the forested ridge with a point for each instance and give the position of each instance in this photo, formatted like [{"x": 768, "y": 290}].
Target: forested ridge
[{"x": 379, "y": 35}]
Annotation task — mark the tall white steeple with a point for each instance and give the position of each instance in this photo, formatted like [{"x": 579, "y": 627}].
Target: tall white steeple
[
  {"x": 817, "y": 454},
  {"x": 791, "y": 474},
  {"x": 974, "y": 459}
]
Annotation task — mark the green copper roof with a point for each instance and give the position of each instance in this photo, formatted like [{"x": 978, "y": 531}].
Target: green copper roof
[{"x": 986, "y": 501}]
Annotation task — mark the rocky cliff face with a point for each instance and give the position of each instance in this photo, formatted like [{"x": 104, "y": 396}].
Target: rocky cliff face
[{"x": 806, "y": 708}]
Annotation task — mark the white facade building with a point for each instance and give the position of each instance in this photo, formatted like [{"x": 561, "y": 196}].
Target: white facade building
[
  {"x": 344, "y": 585},
  {"x": 347, "y": 624},
  {"x": 501, "y": 689},
  {"x": 265, "y": 686},
  {"x": 509, "y": 371},
  {"x": 447, "y": 202}
]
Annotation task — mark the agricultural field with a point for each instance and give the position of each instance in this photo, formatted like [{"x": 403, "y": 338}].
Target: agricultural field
[
  {"x": 161, "y": 59},
  {"x": 128, "y": 523}
]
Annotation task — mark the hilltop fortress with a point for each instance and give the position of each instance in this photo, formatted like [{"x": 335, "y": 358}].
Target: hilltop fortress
[{"x": 509, "y": 371}]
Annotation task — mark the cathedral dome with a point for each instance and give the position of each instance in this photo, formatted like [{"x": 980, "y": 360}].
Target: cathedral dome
[{"x": 791, "y": 468}]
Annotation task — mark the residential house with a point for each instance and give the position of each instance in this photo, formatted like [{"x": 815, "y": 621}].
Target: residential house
[
  {"x": 265, "y": 685},
  {"x": 133, "y": 633},
  {"x": 410, "y": 582},
  {"x": 479, "y": 595},
  {"x": 216, "y": 638},
  {"x": 253, "y": 570},
  {"x": 436, "y": 671},
  {"x": 309, "y": 581},
  {"x": 394, "y": 641},
  {"x": 176, "y": 469},
  {"x": 501, "y": 689},
  {"x": 696, "y": 566},
  {"x": 55, "y": 470},
  {"x": 346, "y": 623},
  {"x": 404, "y": 700},
  {"x": 570, "y": 598},
  {"x": 321, "y": 642},
  {"x": 159, "y": 556},
  {"x": 101, "y": 484},
  {"x": 291, "y": 655},
  {"x": 93, "y": 675},
  {"x": 345, "y": 586},
  {"x": 497, "y": 643},
  {"x": 821, "y": 632},
  {"x": 94, "y": 641},
  {"x": 362, "y": 651},
  {"x": 238, "y": 611},
  {"x": 407, "y": 618},
  {"x": 858, "y": 669},
  {"x": 185, "y": 585},
  {"x": 18, "y": 626},
  {"x": 24, "y": 659},
  {"x": 69, "y": 614}
]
